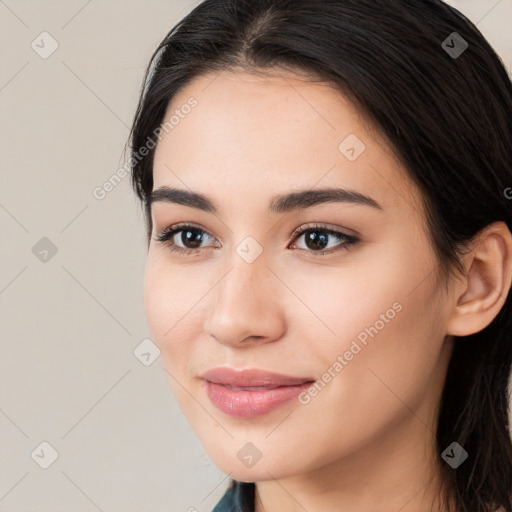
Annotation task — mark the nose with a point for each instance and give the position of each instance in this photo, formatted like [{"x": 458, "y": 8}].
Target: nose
[{"x": 245, "y": 306}]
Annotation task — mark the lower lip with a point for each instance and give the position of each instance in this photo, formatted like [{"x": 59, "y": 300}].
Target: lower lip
[{"x": 250, "y": 404}]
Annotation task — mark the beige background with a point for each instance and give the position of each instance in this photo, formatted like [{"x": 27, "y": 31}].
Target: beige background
[{"x": 69, "y": 325}]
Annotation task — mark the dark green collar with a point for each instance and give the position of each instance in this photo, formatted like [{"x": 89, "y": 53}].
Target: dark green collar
[{"x": 238, "y": 498}]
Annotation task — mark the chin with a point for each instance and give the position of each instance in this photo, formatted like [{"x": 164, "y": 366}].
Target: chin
[{"x": 230, "y": 460}]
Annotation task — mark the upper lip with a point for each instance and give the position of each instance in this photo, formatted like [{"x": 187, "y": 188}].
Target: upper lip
[{"x": 251, "y": 378}]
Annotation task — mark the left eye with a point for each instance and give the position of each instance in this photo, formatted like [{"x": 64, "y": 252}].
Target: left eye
[{"x": 316, "y": 239}]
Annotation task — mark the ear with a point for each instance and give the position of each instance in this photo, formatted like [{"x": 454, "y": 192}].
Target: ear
[{"x": 480, "y": 295}]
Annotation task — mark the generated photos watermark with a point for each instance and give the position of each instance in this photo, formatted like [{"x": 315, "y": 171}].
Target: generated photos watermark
[
  {"x": 101, "y": 191},
  {"x": 355, "y": 348}
]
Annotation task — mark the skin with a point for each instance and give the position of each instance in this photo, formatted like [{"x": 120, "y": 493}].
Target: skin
[{"x": 366, "y": 440}]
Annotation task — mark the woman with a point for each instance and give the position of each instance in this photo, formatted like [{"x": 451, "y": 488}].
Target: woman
[{"x": 326, "y": 186}]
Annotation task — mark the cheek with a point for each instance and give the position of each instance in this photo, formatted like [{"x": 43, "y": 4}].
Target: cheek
[
  {"x": 388, "y": 358},
  {"x": 169, "y": 309},
  {"x": 157, "y": 302},
  {"x": 170, "y": 317},
  {"x": 384, "y": 324},
  {"x": 387, "y": 369},
  {"x": 339, "y": 304}
]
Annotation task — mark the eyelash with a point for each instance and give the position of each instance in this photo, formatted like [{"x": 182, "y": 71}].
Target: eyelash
[{"x": 168, "y": 233}]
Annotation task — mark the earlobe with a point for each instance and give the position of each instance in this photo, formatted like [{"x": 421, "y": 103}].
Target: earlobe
[{"x": 481, "y": 294}]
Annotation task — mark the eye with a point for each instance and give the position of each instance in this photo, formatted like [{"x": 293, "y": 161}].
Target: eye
[
  {"x": 191, "y": 237},
  {"x": 316, "y": 239}
]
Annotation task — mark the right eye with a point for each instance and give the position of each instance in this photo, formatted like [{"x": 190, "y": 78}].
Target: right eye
[{"x": 190, "y": 235}]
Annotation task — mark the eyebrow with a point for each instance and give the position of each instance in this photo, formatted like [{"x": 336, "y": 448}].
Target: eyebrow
[{"x": 279, "y": 204}]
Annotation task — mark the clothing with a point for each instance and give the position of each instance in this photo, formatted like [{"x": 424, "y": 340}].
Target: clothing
[{"x": 238, "y": 498}]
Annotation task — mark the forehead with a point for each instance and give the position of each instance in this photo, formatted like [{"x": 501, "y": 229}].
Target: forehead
[{"x": 262, "y": 135}]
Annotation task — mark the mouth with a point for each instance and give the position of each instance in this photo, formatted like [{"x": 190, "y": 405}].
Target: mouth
[{"x": 251, "y": 393}]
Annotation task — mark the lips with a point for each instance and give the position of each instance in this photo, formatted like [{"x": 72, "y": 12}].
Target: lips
[
  {"x": 252, "y": 378},
  {"x": 251, "y": 393}
]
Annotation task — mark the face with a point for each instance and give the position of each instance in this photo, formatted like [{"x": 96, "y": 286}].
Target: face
[{"x": 339, "y": 294}]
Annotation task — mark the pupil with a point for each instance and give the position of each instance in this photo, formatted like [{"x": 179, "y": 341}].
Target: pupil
[
  {"x": 188, "y": 237},
  {"x": 314, "y": 241}
]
